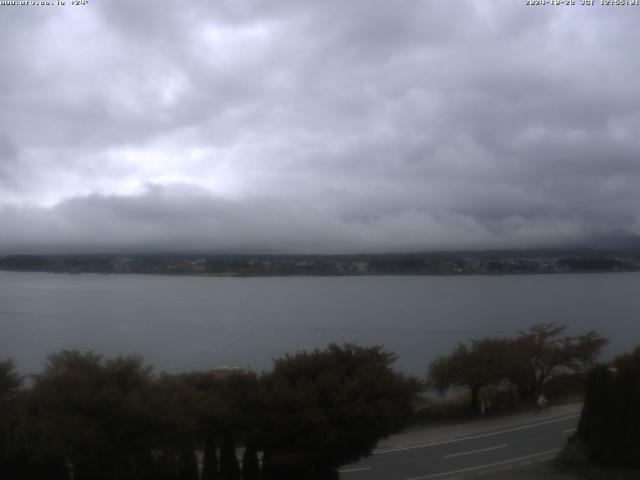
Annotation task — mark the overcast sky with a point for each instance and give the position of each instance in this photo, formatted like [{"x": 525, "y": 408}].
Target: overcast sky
[{"x": 316, "y": 126}]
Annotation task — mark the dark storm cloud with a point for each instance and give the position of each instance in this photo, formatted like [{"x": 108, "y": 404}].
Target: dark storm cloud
[
  {"x": 317, "y": 126},
  {"x": 183, "y": 218}
]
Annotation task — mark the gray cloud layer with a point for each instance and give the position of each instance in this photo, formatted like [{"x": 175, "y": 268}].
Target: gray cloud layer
[{"x": 317, "y": 126}]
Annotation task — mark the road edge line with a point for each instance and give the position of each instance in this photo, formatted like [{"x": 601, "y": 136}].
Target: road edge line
[
  {"x": 473, "y": 437},
  {"x": 470, "y": 469},
  {"x": 471, "y": 452}
]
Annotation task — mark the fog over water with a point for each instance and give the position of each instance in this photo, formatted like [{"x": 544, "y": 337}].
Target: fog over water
[{"x": 183, "y": 323}]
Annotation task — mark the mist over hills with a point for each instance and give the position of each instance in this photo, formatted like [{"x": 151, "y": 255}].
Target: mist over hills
[{"x": 617, "y": 253}]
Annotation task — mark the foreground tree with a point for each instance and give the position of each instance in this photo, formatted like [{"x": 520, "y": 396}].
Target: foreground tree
[
  {"x": 484, "y": 362},
  {"x": 327, "y": 408},
  {"x": 228, "y": 416},
  {"x": 173, "y": 409},
  {"x": 94, "y": 414},
  {"x": 210, "y": 457},
  {"x": 609, "y": 427},
  {"x": 187, "y": 464},
  {"x": 10, "y": 380},
  {"x": 527, "y": 361},
  {"x": 10, "y": 383},
  {"x": 250, "y": 464},
  {"x": 544, "y": 350}
]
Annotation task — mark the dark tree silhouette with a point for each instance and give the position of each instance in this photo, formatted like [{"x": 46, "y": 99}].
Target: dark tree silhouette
[
  {"x": 483, "y": 362},
  {"x": 10, "y": 381},
  {"x": 610, "y": 423},
  {"x": 210, "y": 458},
  {"x": 542, "y": 351},
  {"x": 229, "y": 409},
  {"x": 92, "y": 418},
  {"x": 527, "y": 361},
  {"x": 327, "y": 408},
  {"x": 250, "y": 464},
  {"x": 187, "y": 464},
  {"x": 94, "y": 413},
  {"x": 229, "y": 467}
]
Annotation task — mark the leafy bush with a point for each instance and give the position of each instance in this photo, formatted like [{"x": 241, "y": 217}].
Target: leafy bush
[
  {"x": 565, "y": 386},
  {"x": 433, "y": 409}
]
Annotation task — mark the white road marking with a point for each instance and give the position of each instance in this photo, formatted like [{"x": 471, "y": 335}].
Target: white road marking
[
  {"x": 542, "y": 458},
  {"x": 470, "y": 469},
  {"x": 361, "y": 469},
  {"x": 473, "y": 437},
  {"x": 475, "y": 451},
  {"x": 569, "y": 430}
]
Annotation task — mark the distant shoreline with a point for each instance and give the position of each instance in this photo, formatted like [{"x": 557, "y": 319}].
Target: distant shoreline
[
  {"x": 325, "y": 275},
  {"x": 243, "y": 266}
]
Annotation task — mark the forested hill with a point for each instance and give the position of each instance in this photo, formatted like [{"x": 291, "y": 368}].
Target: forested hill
[{"x": 457, "y": 263}]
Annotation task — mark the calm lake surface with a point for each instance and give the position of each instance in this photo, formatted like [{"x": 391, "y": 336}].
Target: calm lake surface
[{"x": 183, "y": 323}]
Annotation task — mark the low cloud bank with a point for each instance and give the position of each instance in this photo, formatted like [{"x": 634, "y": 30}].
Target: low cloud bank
[{"x": 183, "y": 219}]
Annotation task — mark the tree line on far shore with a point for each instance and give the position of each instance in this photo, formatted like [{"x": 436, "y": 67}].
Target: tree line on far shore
[{"x": 85, "y": 417}]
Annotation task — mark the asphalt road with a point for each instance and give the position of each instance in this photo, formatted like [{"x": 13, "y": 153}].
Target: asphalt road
[{"x": 471, "y": 456}]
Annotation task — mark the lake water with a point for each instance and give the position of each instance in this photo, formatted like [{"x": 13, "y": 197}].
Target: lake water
[{"x": 183, "y": 323}]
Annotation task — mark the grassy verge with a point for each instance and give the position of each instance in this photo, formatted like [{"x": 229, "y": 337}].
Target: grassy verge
[
  {"x": 455, "y": 406},
  {"x": 436, "y": 409}
]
